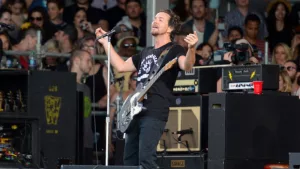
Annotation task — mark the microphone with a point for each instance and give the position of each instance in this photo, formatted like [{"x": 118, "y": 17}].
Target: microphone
[
  {"x": 116, "y": 29},
  {"x": 9, "y": 27},
  {"x": 182, "y": 132}
]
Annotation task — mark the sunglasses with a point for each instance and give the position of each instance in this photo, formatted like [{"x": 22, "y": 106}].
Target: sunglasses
[
  {"x": 37, "y": 18},
  {"x": 289, "y": 68},
  {"x": 129, "y": 45}
]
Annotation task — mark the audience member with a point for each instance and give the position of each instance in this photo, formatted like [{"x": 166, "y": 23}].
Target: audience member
[
  {"x": 235, "y": 33},
  {"x": 183, "y": 13},
  {"x": 203, "y": 27},
  {"x": 118, "y": 12},
  {"x": 28, "y": 41},
  {"x": 81, "y": 24},
  {"x": 55, "y": 12},
  {"x": 251, "y": 28},
  {"x": 50, "y": 62},
  {"x": 17, "y": 8},
  {"x": 135, "y": 20},
  {"x": 285, "y": 84},
  {"x": 236, "y": 17},
  {"x": 66, "y": 38},
  {"x": 281, "y": 54},
  {"x": 40, "y": 18},
  {"x": 279, "y": 27},
  {"x": 81, "y": 64},
  {"x": 104, "y": 5},
  {"x": 127, "y": 47},
  {"x": 94, "y": 15},
  {"x": 205, "y": 55}
]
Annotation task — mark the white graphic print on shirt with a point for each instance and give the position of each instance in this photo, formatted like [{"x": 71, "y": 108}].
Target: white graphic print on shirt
[{"x": 146, "y": 65}]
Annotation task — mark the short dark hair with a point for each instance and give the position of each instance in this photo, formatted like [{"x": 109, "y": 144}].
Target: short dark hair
[
  {"x": 71, "y": 31},
  {"x": 174, "y": 22},
  {"x": 137, "y": 1},
  {"x": 60, "y": 4},
  {"x": 293, "y": 61},
  {"x": 252, "y": 17},
  {"x": 201, "y": 46},
  {"x": 235, "y": 28},
  {"x": 204, "y": 1},
  {"x": 3, "y": 10}
]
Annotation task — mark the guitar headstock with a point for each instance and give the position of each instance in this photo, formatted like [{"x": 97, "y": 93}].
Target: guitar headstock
[{"x": 170, "y": 64}]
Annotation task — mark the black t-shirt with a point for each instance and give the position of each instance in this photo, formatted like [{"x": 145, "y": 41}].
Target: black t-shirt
[{"x": 158, "y": 98}]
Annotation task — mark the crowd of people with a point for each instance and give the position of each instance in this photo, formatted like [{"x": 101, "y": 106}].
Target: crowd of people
[{"x": 71, "y": 29}]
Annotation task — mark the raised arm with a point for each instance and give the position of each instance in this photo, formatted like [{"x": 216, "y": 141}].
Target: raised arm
[
  {"x": 187, "y": 62},
  {"x": 116, "y": 61}
]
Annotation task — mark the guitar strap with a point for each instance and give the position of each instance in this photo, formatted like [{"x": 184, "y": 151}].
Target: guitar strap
[{"x": 156, "y": 67}]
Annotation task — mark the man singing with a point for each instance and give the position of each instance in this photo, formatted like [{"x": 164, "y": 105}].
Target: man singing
[{"x": 142, "y": 139}]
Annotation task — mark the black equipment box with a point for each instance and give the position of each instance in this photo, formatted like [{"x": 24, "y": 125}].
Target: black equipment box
[
  {"x": 241, "y": 77},
  {"x": 198, "y": 80},
  {"x": 51, "y": 97},
  {"x": 251, "y": 130},
  {"x": 182, "y": 161},
  {"x": 19, "y": 134}
]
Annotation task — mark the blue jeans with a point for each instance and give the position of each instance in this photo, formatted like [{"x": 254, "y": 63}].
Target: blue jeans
[{"x": 141, "y": 142}]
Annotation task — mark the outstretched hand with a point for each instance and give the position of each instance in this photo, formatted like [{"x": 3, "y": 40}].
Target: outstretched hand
[
  {"x": 99, "y": 32},
  {"x": 191, "y": 39}
]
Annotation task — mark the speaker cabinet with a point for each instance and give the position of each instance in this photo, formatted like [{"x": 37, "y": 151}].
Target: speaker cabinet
[
  {"x": 185, "y": 113},
  {"x": 248, "y": 127}
]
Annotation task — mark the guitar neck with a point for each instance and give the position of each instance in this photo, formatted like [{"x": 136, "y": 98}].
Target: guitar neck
[{"x": 150, "y": 83}]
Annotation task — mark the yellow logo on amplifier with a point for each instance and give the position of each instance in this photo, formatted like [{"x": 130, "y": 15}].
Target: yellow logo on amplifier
[
  {"x": 252, "y": 74},
  {"x": 177, "y": 163},
  {"x": 230, "y": 75},
  {"x": 52, "y": 109}
]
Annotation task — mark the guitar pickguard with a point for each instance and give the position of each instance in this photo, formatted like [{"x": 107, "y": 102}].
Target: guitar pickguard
[{"x": 136, "y": 107}]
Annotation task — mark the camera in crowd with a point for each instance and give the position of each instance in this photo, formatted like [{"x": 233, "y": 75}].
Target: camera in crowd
[{"x": 240, "y": 52}]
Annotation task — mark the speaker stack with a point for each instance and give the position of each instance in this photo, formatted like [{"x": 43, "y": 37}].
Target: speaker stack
[{"x": 250, "y": 131}]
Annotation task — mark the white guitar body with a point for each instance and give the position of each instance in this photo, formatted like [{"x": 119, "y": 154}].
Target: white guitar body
[{"x": 130, "y": 108}]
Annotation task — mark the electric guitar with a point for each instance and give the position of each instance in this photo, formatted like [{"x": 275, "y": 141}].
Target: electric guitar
[{"x": 132, "y": 105}]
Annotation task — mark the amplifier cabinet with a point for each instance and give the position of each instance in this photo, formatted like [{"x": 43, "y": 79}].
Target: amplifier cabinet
[
  {"x": 181, "y": 161},
  {"x": 253, "y": 127},
  {"x": 186, "y": 112},
  {"x": 241, "y": 77},
  {"x": 198, "y": 80}
]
